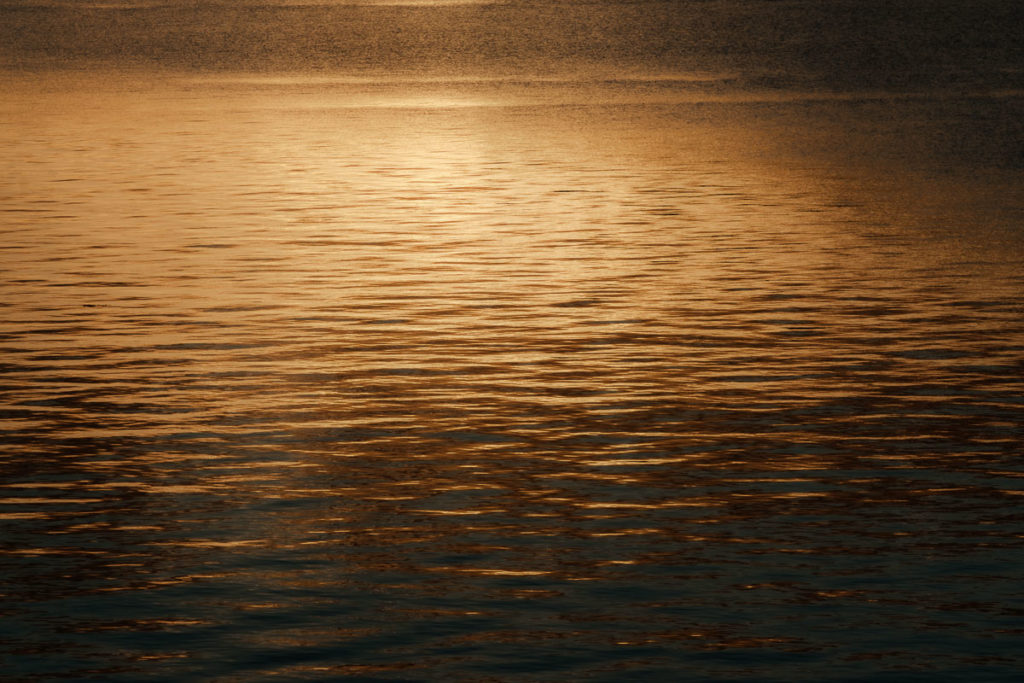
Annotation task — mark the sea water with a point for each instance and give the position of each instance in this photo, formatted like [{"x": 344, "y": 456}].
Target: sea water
[{"x": 529, "y": 341}]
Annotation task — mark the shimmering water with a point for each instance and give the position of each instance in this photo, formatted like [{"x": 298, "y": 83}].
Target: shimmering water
[{"x": 510, "y": 349}]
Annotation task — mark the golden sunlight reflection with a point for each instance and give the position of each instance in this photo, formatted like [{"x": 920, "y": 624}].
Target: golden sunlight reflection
[{"x": 351, "y": 363}]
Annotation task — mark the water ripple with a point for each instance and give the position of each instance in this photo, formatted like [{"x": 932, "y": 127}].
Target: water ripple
[{"x": 604, "y": 392}]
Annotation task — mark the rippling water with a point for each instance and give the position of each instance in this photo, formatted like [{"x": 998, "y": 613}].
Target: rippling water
[{"x": 507, "y": 375}]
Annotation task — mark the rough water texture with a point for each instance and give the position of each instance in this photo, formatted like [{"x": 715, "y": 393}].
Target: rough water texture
[{"x": 535, "y": 341}]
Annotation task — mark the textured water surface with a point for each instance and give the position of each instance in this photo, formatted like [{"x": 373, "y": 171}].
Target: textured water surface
[{"x": 601, "y": 374}]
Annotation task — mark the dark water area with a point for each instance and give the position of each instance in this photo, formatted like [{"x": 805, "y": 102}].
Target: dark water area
[
  {"x": 835, "y": 45},
  {"x": 675, "y": 341}
]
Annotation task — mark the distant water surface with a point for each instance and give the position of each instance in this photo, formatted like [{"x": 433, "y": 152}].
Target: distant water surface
[{"x": 570, "y": 357}]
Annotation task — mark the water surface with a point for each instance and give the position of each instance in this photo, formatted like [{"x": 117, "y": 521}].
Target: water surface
[{"x": 569, "y": 357}]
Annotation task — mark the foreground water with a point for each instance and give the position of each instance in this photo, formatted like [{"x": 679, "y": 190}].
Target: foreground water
[{"x": 421, "y": 377}]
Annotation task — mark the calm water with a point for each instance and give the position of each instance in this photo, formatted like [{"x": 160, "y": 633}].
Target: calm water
[{"x": 484, "y": 342}]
